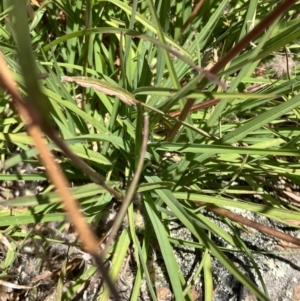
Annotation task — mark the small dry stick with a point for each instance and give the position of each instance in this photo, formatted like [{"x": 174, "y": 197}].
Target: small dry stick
[{"x": 259, "y": 227}]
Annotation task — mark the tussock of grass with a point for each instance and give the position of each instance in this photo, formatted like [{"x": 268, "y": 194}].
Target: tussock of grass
[{"x": 216, "y": 136}]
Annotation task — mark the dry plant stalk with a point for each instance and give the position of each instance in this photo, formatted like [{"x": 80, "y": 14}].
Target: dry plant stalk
[
  {"x": 192, "y": 16},
  {"x": 131, "y": 190},
  {"x": 32, "y": 120},
  {"x": 247, "y": 222}
]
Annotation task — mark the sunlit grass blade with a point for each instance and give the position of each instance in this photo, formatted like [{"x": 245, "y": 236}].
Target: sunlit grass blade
[
  {"x": 166, "y": 249},
  {"x": 118, "y": 260}
]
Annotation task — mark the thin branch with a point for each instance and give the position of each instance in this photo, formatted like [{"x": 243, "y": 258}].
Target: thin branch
[
  {"x": 259, "y": 227},
  {"x": 131, "y": 189}
]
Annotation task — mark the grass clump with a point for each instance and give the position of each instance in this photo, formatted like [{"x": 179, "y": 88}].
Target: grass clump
[{"x": 214, "y": 121}]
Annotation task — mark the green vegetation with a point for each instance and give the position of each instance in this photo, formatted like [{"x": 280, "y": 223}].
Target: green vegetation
[{"x": 240, "y": 135}]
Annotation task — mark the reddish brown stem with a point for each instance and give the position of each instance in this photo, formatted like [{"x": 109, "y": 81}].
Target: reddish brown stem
[
  {"x": 259, "y": 227},
  {"x": 242, "y": 44}
]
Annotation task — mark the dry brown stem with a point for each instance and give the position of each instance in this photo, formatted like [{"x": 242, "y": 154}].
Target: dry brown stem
[{"x": 32, "y": 120}]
